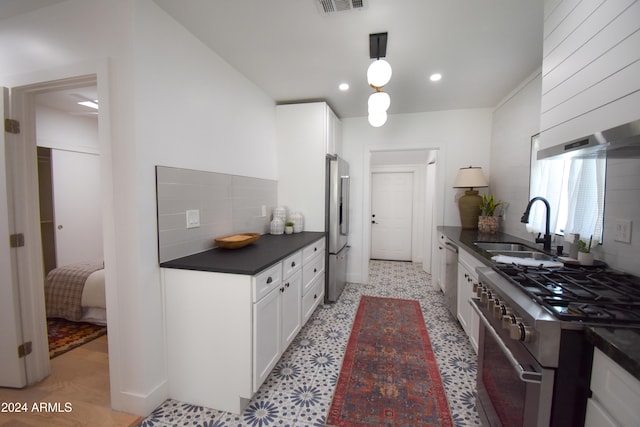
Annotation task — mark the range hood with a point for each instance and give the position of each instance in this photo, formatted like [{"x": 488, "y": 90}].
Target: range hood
[{"x": 618, "y": 142}]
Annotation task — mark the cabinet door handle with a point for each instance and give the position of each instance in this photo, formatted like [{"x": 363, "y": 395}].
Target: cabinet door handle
[
  {"x": 293, "y": 264},
  {"x": 315, "y": 296},
  {"x": 286, "y": 285},
  {"x": 269, "y": 280},
  {"x": 315, "y": 249},
  {"x": 315, "y": 270},
  {"x": 282, "y": 289}
]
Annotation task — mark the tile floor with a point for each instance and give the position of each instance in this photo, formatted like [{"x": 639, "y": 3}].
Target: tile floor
[{"x": 299, "y": 390}]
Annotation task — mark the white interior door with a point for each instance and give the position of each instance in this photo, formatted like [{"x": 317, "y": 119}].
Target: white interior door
[
  {"x": 76, "y": 198},
  {"x": 391, "y": 215},
  {"x": 429, "y": 259},
  {"x": 12, "y": 368}
]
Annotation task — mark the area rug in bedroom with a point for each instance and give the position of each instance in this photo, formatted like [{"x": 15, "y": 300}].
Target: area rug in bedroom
[
  {"x": 389, "y": 375},
  {"x": 65, "y": 335}
]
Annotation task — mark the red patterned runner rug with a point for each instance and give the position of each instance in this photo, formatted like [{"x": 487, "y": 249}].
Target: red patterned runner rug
[{"x": 389, "y": 375}]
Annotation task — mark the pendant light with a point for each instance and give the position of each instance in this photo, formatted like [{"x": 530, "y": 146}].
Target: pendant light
[
  {"x": 377, "y": 119},
  {"x": 379, "y": 101},
  {"x": 378, "y": 74}
]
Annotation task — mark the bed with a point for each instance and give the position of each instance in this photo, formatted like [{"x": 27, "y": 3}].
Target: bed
[{"x": 76, "y": 292}]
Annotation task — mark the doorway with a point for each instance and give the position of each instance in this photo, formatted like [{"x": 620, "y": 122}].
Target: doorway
[
  {"x": 422, "y": 162},
  {"x": 31, "y": 261},
  {"x": 391, "y": 215}
]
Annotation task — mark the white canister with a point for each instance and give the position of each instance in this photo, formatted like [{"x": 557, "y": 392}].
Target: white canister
[
  {"x": 281, "y": 213},
  {"x": 277, "y": 226},
  {"x": 298, "y": 222}
]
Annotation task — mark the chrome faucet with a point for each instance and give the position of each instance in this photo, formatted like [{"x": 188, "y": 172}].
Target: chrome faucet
[{"x": 546, "y": 240}]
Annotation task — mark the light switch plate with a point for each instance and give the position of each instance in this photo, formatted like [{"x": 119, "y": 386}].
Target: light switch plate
[
  {"x": 623, "y": 231},
  {"x": 193, "y": 218}
]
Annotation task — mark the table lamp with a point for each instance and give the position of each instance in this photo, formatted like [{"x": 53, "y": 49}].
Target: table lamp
[{"x": 469, "y": 203}]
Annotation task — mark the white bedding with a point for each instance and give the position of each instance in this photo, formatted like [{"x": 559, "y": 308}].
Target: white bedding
[
  {"x": 94, "y": 304},
  {"x": 76, "y": 292}
]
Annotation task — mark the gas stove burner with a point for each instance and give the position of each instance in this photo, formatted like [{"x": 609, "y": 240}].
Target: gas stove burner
[
  {"x": 594, "y": 295},
  {"x": 626, "y": 314}
]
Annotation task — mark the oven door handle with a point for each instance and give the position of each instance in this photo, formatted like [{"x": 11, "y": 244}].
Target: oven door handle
[{"x": 526, "y": 376}]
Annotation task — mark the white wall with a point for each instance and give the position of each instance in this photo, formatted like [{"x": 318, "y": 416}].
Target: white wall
[
  {"x": 167, "y": 100},
  {"x": 462, "y": 138},
  {"x": 76, "y": 183},
  {"x": 590, "y": 68},
  {"x": 622, "y": 201},
  {"x": 515, "y": 121},
  {"x": 58, "y": 130}
]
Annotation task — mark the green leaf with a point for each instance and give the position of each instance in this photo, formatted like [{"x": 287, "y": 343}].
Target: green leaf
[{"x": 489, "y": 204}]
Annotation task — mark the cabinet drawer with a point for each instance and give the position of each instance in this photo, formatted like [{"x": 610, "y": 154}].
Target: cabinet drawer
[
  {"x": 313, "y": 297},
  {"x": 615, "y": 389},
  {"x": 311, "y": 270},
  {"x": 313, "y": 249},
  {"x": 291, "y": 264},
  {"x": 266, "y": 280}
]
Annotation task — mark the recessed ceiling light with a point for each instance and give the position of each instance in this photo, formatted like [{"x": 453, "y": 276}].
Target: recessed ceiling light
[
  {"x": 343, "y": 86},
  {"x": 435, "y": 77}
]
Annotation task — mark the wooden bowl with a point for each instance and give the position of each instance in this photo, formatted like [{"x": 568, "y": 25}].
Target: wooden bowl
[{"x": 235, "y": 241}]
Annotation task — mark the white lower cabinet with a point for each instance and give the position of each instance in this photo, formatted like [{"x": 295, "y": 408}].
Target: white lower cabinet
[
  {"x": 267, "y": 335},
  {"x": 276, "y": 322},
  {"x": 615, "y": 394},
  {"x": 291, "y": 295},
  {"x": 313, "y": 297},
  {"x": 226, "y": 332},
  {"x": 312, "y": 278},
  {"x": 467, "y": 277}
]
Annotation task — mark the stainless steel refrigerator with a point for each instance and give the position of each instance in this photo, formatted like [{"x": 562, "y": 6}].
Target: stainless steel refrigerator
[{"x": 337, "y": 226}]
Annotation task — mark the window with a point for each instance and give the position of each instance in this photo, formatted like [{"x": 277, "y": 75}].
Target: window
[{"x": 574, "y": 188}]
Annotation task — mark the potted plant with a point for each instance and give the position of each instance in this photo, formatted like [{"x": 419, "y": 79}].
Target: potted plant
[
  {"x": 487, "y": 222},
  {"x": 288, "y": 227},
  {"x": 585, "y": 257}
]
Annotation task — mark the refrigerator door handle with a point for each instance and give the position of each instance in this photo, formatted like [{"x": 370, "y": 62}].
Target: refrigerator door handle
[{"x": 344, "y": 205}]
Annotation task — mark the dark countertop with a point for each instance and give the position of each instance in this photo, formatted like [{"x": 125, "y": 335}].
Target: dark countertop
[
  {"x": 251, "y": 259},
  {"x": 465, "y": 238},
  {"x": 620, "y": 344}
]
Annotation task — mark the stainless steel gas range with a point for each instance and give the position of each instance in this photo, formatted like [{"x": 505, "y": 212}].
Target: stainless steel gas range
[{"x": 534, "y": 361}]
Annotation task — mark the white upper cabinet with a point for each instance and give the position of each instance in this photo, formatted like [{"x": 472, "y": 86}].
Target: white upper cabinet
[
  {"x": 333, "y": 137},
  {"x": 591, "y": 60},
  {"x": 306, "y": 133}
]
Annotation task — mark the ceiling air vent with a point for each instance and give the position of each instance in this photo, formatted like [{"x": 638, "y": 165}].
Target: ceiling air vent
[{"x": 330, "y": 6}]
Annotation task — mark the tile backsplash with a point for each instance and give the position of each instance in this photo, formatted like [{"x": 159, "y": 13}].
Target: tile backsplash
[
  {"x": 227, "y": 204},
  {"x": 622, "y": 202}
]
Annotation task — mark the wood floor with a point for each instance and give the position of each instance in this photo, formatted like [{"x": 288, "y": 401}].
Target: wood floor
[{"x": 79, "y": 377}]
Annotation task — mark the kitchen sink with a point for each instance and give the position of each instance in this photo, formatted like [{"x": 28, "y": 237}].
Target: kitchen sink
[
  {"x": 503, "y": 246},
  {"x": 514, "y": 250},
  {"x": 524, "y": 254}
]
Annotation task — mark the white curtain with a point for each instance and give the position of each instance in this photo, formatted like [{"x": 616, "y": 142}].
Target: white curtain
[
  {"x": 545, "y": 181},
  {"x": 585, "y": 192},
  {"x": 575, "y": 191}
]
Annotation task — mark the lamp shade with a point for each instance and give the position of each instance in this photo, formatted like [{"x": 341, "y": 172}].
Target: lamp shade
[
  {"x": 379, "y": 102},
  {"x": 379, "y": 73},
  {"x": 471, "y": 177},
  {"x": 377, "y": 119}
]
